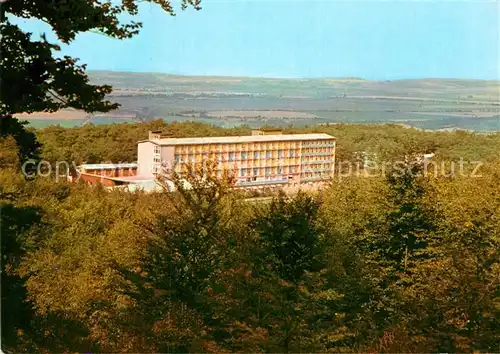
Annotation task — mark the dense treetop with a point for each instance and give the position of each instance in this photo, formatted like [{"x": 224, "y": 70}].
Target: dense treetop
[
  {"x": 118, "y": 142},
  {"x": 396, "y": 263}
]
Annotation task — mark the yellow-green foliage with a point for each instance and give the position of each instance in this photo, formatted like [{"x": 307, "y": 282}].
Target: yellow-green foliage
[
  {"x": 390, "y": 263},
  {"x": 118, "y": 142}
]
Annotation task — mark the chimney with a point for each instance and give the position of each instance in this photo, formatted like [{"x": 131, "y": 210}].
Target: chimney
[
  {"x": 156, "y": 135},
  {"x": 267, "y": 131}
]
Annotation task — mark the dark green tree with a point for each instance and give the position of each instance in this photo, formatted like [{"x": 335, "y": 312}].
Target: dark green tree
[
  {"x": 405, "y": 230},
  {"x": 289, "y": 238},
  {"x": 190, "y": 243},
  {"x": 26, "y": 141},
  {"x": 295, "y": 302},
  {"x": 398, "y": 240}
]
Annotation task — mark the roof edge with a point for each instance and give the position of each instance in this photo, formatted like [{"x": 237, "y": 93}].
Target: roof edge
[{"x": 249, "y": 138}]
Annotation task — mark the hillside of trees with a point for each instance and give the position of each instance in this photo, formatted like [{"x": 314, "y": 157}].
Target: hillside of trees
[
  {"x": 401, "y": 262},
  {"x": 118, "y": 142}
]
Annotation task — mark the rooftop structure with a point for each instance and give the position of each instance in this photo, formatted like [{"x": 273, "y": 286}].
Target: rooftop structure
[
  {"x": 267, "y": 131},
  {"x": 107, "y": 166},
  {"x": 165, "y": 141},
  {"x": 107, "y": 174}
]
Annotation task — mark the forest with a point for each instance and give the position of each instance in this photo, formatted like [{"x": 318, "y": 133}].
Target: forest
[
  {"x": 401, "y": 262},
  {"x": 118, "y": 142}
]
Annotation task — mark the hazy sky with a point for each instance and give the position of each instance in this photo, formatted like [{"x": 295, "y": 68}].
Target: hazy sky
[{"x": 313, "y": 38}]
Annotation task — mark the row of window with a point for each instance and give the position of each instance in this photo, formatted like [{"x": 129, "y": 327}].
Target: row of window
[
  {"x": 272, "y": 171},
  {"x": 261, "y": 145},
  {"x": 238, "y": 165},
  {"x": 316, "y": 159},
  {"x": 316, "y": 166},
  {"x": 232, "y": 148},
  {"x": 317, "y": 144},
  {"x": 318, "y": 171},
  {"x": 307, "y": 161},
  {"x": 310, "y": 150},
  {"x": 239, "y": 147},
  {"x": 244, "y": 172},
  {"x": 267, "y": 171},
  {"x": 313, "y": 160},
  {"x": 232, "y": 156},
  {"x": 260, "y": 153},
  {"x": 312, "y": 174}
]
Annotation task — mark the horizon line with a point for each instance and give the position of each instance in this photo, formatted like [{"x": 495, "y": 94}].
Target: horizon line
[{"x": 291, "y": 78}]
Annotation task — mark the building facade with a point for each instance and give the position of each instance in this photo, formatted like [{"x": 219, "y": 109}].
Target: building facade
[
  {"x": 263, "y": 159},
  {"x": 107, "y": 174}
]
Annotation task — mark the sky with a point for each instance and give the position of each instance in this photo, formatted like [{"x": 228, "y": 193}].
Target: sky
[{"x": 377, "y": 40}]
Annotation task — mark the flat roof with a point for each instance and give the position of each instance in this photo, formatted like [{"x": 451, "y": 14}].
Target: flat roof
[
  {"x": 149, "y": 185},
  {"x": 238, "y": 139},
  {"x": 107, "y": 166},
  {"x": 131, "y": 179},
  {"x": 145, "y": 185}
]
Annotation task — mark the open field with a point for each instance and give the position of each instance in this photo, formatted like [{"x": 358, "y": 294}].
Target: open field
[
  {"x": 68, "y": 123},
  {"x": 229, "y": 101},
  {"x": 264, "y": 114},
  {"x": 67, "y": 114}
]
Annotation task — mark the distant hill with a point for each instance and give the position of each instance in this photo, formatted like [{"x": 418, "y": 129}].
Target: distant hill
[
  {"x": 229, "y": 101},
  {"x": 481, "y": 90}
]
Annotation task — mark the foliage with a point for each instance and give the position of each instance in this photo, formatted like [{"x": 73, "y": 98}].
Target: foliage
[
  {"x": 295, "y": 302},
  {"x": 26, "y": 143},
  {"x": 118, "y": 142},
  {"x": 404, "y": 262},
  {"x": 190, "y": 242}
]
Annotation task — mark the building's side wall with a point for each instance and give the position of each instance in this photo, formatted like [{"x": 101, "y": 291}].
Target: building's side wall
[
  {"x": 95, "y": 179},
  {"x": 318, "y": 160},
  {"x": 334, "y": 157},
  {"x": 167, "y": 158},
  {"x": 145, "y": 153}
]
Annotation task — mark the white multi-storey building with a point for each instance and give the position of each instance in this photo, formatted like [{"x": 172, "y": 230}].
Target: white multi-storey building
[{"x": 266, "y": 158}]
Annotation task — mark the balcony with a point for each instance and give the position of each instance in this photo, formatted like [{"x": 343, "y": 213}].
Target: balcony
[
  {"x": 316, "y": 162},
  {"x": 260, "y": 183},
  {"x": 311, "y": 179},
  {"x": 323, "y": 172},
  {"x": 307, "y": 154}
]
